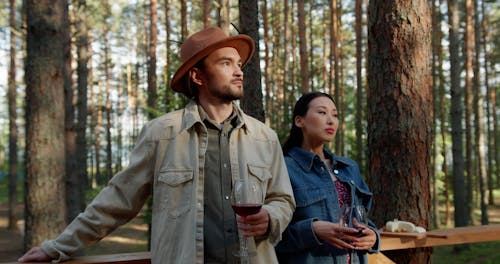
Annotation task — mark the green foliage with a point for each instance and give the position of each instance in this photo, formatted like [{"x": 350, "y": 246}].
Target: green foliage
[{"x": 485, "y": 253}]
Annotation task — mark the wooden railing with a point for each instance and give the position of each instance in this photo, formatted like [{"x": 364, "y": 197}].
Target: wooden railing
[{"x": 389, "y": 241}]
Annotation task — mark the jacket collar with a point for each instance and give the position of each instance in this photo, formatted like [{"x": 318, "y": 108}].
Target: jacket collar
[
  {"x": 192, "y": 116},
  {"x": 306, "y": 159}
]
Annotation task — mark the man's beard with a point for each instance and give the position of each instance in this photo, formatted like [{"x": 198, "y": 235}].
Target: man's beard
[{"x": 227, "y": 94}]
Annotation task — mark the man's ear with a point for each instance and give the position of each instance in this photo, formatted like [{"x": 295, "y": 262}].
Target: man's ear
[{"x": 195, "y": 76}]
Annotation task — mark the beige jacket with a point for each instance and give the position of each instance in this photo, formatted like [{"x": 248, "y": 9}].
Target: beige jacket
[{"x": 169, "y": 159}]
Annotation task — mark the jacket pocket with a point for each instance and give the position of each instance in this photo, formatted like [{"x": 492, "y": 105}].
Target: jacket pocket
[
  {"x": 261, "y": 173},
  {"x": 311, "y": 202},
  {"x": 176, "y": 191}
]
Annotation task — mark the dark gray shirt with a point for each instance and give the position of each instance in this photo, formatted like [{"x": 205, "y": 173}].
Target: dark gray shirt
[{"x": 220, "y": 229}]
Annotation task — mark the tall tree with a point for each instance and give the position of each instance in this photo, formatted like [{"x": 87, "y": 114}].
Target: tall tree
[
  {"x": 461, "y": 215},
  {"x": 251, "y": 103},
  {"x": 45, "y": 152},
  {"x": 206, "y": 13},
  {"x": 400, "y": 114},
  {"x": 11, "y": 97},
  {"x": 82, "y": 46},
  {"x": 359, "y": 80},
  {"x": 468, "y": 54},
  {"x": 225, "y": 15},
  {"x": 267, "y": 60},
  {"x": 479, "y": 144},
  {"x": 304, "y": 65},
  {"x": 153, "y": 39},
  {"x": 72, "y": 187},
  {"x": 491, "y": 128}
]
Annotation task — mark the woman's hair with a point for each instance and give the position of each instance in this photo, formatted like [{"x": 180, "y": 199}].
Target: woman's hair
[{"x": 301, "y": 107}]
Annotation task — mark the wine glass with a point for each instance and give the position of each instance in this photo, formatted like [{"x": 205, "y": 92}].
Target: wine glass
[
  {"x": 345, "y": 216},
  {"x": 246, "y": 199},
  {"x": 361, "y": 214}
]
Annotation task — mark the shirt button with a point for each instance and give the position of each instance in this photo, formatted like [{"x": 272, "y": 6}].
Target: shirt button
[
  {"x": 226, "y": 197},
  {"x": 225, "y": 165},
  {"x": 336, "y": 171}
]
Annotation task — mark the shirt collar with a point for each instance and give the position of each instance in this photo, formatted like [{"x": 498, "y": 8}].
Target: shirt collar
[{"x": 194, "y": 113}]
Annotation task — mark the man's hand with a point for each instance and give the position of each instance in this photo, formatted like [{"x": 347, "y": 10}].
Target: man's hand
[
  {"x": 35, "y": 254},
  {"x": 254, "y": 225}
]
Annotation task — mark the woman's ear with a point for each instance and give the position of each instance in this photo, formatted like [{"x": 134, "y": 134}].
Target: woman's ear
[
  {"x": 298, "y": 121},
  {"x": 195, "y": 76}
]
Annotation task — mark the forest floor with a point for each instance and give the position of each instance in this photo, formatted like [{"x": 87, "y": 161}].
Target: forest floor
[{"x": 132, "y": 238}]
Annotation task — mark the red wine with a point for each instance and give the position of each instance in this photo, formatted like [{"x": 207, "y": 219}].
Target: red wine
[{"x": 246, "y": 209}]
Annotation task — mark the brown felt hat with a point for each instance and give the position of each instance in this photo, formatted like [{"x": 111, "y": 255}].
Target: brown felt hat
[{"x": 201, "y": 44}]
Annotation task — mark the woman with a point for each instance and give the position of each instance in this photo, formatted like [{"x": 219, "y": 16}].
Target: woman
[{"x": 322, "y": 183}]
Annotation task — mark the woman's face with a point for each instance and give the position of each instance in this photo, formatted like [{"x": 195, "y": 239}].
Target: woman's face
[{"x": 320, "y": 123}]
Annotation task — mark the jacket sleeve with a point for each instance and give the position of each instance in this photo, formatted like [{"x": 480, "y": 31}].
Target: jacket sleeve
[
  {"x": 298, "y": 237},
  {"x": 279, "y": 201},
  {"x": 115, "y": 205}
]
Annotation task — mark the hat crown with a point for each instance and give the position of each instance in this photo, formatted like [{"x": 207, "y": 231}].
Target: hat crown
[{"x": 199, "y": 41}]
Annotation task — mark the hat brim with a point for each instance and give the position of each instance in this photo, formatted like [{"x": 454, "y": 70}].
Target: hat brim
[{"x": 242, "y": 43}]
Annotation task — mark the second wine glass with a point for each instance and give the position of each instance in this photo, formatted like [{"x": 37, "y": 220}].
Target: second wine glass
[{"x": 246, "y": 199}]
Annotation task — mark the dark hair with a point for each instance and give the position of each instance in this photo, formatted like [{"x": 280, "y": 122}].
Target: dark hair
[{"x": 301, "y": 107}]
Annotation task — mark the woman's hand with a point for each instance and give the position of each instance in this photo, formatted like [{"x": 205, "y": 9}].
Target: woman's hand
[
  {"x": 367, "y": 237},
  {"x": 335, "y": 234}
]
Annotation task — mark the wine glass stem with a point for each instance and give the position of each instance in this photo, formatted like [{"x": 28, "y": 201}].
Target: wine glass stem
[{"x": 245, "y": 257}]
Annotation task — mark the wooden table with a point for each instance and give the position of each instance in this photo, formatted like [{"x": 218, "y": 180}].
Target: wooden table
[
  {"x": 438, "y": 237},
  {"x": 389, "y": 241}
]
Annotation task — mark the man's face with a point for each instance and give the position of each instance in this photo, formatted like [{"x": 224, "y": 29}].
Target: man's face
[{"x": 221, "y": 76}]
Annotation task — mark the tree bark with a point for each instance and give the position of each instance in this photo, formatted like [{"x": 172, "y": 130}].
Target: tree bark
[
  {"x": 11, "y": 97},
  {"x": 469, "y": 51},
  {"x": 153, "y": 39},
  {"x": 400, "y": 115},
  {"x": 251, "y": 102},
  {"x": 45, "y": 131},
  {"x": 461, "y": 215},
  {"x": 359, "y": 157},
  {"x": 206, "y": 13},
  {"x": 304, "y": 65},
  {"x": 479, "y": 143}
]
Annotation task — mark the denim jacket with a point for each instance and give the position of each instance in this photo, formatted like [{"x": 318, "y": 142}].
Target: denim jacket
[
  {"x": 316, "y": 199},
  {"x": 168, "y": 162}
]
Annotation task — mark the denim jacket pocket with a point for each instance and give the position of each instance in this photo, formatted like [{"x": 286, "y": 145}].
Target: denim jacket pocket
[
  {"x": 310, "y": 202},
  {"x": 176, "y": 190}
]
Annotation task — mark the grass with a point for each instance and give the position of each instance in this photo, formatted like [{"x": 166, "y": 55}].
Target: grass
[{"x": 484, "y": 253}]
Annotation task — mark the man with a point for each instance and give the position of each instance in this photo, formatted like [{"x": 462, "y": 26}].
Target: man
[{"x": 188, "y": 160}]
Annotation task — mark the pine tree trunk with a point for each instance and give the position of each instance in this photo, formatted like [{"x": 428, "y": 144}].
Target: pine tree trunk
[
  {"x": 45, "y": 136},
  {"x": 267, "y": 61},
  {"x": 304, "y": 65},
  {"x": 400, "y": 115},
  {"x": 478, "y": 121},
  {"x": 359, "y": 82},
  {"x": 461, "y": 215},
  {"x": 153, "y": 38},
  {"x": 206, "y": 13},
  {"x": 72, "y": 181},
  {"x": 11, "y": 97},
  {"x": 490, "y": 94},
  {"x": 469, "y": 50},
  {"x": 82, "y": 47},
  {"x": 251, "y": 103}
]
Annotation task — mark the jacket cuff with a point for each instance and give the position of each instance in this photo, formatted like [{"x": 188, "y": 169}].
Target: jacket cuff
[{"x": 49, "y": 246}]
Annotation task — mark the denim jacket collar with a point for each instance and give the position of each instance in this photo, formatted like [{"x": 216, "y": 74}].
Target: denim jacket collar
[{"x": 305, "y": 158}]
